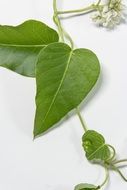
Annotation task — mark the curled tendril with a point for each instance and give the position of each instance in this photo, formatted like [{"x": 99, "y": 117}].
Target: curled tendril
[
  {"x": 112, "y": 163},
  {"x": 113, "y": 153}
]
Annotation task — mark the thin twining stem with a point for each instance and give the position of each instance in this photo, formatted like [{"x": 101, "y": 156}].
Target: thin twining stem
[
  {"x": 68, "y": 37},
  {"x": 85, "y": 9},
  {"x": 92, "y": 7},
  {"x": 120, "y": 161},
  {"x": 116, "y": 168},
  {"x": 81, "y": 120},
  {"x": 106, "y": 177},
  {"x": 57, "y": 21},
  {"x": 98, "y": 3},
  {"x": 61, "y": 31}
]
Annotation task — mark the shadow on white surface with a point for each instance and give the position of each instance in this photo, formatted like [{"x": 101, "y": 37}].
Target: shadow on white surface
[{"x": 18, "y": 98}]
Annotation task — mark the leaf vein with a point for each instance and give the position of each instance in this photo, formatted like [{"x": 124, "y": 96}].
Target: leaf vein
[
  {"x": 96, "y": 151},
  {"x": 62, "y": 80}
]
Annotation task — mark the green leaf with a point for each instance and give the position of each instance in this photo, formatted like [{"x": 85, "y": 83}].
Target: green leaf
[
  {"x": 64, "y": 78},
  {"x": 95, "y": 147},
  {"x": 20, "y": 45},
  {"x": 85, "y": 186}
]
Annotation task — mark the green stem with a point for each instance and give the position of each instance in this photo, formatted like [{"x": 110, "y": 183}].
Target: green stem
[
  {"x": 116, "y": 169},
  {"x": 81, "y": 120},
  {"x": 61, "y": 31},
  {"x": 98, "y": 3},
  {"x": 57, "y": 21},
  {"x": 106, "y": 177},
  {"x": 120, "y": 161},
  {"x": 90, "y": 8},
  {"x": 68, "y": 38},
  {"x": 86, "y": 9}
]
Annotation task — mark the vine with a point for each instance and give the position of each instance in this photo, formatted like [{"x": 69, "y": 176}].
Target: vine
[
  {"x": 64, "y": 75},
  {"x": 111, "y": 162}
]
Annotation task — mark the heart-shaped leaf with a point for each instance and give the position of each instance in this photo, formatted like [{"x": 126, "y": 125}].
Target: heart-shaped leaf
[
  {"x": 64, "y": 78},
  {"x": 85, "y": 186},
  {"x": 20, "y": 45},
  {"x": 95, "y": 147}
]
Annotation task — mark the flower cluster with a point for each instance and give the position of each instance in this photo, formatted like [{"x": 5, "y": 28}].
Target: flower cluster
[{"x": 111, "y": 14}]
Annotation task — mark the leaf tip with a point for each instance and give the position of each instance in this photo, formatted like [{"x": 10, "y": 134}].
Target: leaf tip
[{"x": 34, "y": 135}]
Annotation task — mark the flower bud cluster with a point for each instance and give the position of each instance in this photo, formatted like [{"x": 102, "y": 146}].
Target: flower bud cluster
[{"x": 110, "y": 14}]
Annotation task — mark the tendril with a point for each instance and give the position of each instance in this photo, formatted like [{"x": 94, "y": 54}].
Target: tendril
[
  {"x": 114, "y": 153},
  {"x": 106, "y": 177},
  {"x": 118, "y": 170},
  {"x": 120, "y": 161}
]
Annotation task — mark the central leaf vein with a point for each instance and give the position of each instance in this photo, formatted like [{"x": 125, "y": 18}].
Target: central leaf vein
[
  {"x": 96, "y": 151},
  {"x": 22, "y": 45},
  {"x": 59, "y": 87}
]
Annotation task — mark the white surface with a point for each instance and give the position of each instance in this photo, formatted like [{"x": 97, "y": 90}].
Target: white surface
[{"x": 56, "y": 161}]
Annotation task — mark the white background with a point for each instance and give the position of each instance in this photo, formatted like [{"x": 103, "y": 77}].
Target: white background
[{"x": 56, "y": 161}]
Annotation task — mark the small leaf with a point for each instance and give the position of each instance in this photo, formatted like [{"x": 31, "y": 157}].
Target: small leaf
[
  {"x": 86, "y": 186},
  {"x": 64, "y": 78},
  {"x": 20, "y": 45},
  {"x": 94, "y": 146}
]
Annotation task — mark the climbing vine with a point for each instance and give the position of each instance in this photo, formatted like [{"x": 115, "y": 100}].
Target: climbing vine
[{"x": 64, "y": 75}]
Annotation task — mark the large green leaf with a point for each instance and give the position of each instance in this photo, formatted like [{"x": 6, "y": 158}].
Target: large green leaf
[
  {"x": 95, "y": 147},
  {"x": 86, "y": 186},
  {"x": 20, "y": 45},
  {"x": 64, "y": 78}
]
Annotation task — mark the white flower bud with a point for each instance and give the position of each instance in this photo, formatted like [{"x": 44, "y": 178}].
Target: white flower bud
[{"x": 111, "y": 14}]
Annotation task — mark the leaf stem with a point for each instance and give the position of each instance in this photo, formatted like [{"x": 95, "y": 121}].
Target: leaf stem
[
  {"x": 106, "y": 177},
  {"x": 81, "y": 120},
  {"x": 68, "y": 37},
  {"x": 61, "y": 31}
]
